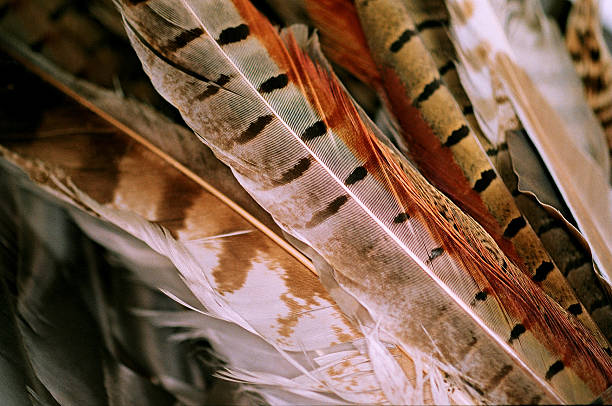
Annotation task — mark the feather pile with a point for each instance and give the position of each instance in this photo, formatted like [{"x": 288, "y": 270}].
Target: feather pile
[{"x": 408, "y": 205}]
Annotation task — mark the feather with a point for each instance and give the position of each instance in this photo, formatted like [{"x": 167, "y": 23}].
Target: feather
[
  {"x": 494, "y": 208},
  {"x": 15, "y": 370},
  {"x": 565, "y": 244},
  {"x": 592, "y": 60},
  {"x": 66, "y": 361},
  {"x": 293, "y": 313},
  {"x": 77, "y": 273},
  {"x": 431, "y": 19},
  {"x": 331, "y": 183},
  {"x": 535, "y": 39},
  {"x": 45, "y": 331},
  {"x": 448, "y": 152},
  {"x": 70, "y": 361},
  {"x": 501, "y": 125},
  {"x": 569, "y": 167},
  {"x": 342, "y": 40}
]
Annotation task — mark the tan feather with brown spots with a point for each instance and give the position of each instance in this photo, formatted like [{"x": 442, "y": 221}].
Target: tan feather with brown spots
[
  {"x": 592, "y": 59},
  {"x": 274, "y": 292}
]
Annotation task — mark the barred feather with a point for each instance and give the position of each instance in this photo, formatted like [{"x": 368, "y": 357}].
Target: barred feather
[
  {"x": 592, "y": 59},
  {"x": 298, "y": 145}
]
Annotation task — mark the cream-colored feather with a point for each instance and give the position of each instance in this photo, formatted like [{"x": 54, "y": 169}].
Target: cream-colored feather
[
  {"x": 581, "y": 179},
  {"x": 540, "y": 51}
]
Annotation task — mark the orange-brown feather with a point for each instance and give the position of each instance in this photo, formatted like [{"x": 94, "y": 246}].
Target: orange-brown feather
[
  {"x": 461, "y": 236},
  {"x": 344, "y": 41},
  {"x": 438, "y": 164}
]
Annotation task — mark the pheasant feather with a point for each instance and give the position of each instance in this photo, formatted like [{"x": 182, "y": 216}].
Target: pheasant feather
[
  {"x": 298, "y": 145},
  {"x": 439, "y": 138}
]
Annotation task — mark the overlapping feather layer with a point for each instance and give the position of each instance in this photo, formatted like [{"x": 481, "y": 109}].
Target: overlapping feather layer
[
  {"x": 399, "y": 259},
  {"x": 298, "y": 146}
]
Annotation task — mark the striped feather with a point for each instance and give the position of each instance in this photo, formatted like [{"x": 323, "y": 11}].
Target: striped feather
[
  {"x": 430, "y": 20},
  {"x": 297, "y": 144},
  {"x": 560, "y": 238},
  {"x": 501, "y": 125}
]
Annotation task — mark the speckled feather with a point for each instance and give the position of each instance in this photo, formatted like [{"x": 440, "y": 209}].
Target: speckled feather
[{"x": 592, "y": 59}]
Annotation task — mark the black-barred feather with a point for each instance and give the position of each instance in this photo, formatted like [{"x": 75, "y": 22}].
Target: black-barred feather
[{"x": 292, "y": 110}]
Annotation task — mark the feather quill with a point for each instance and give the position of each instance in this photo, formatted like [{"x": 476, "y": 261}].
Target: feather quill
[{"x": 296, "y": 143}]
